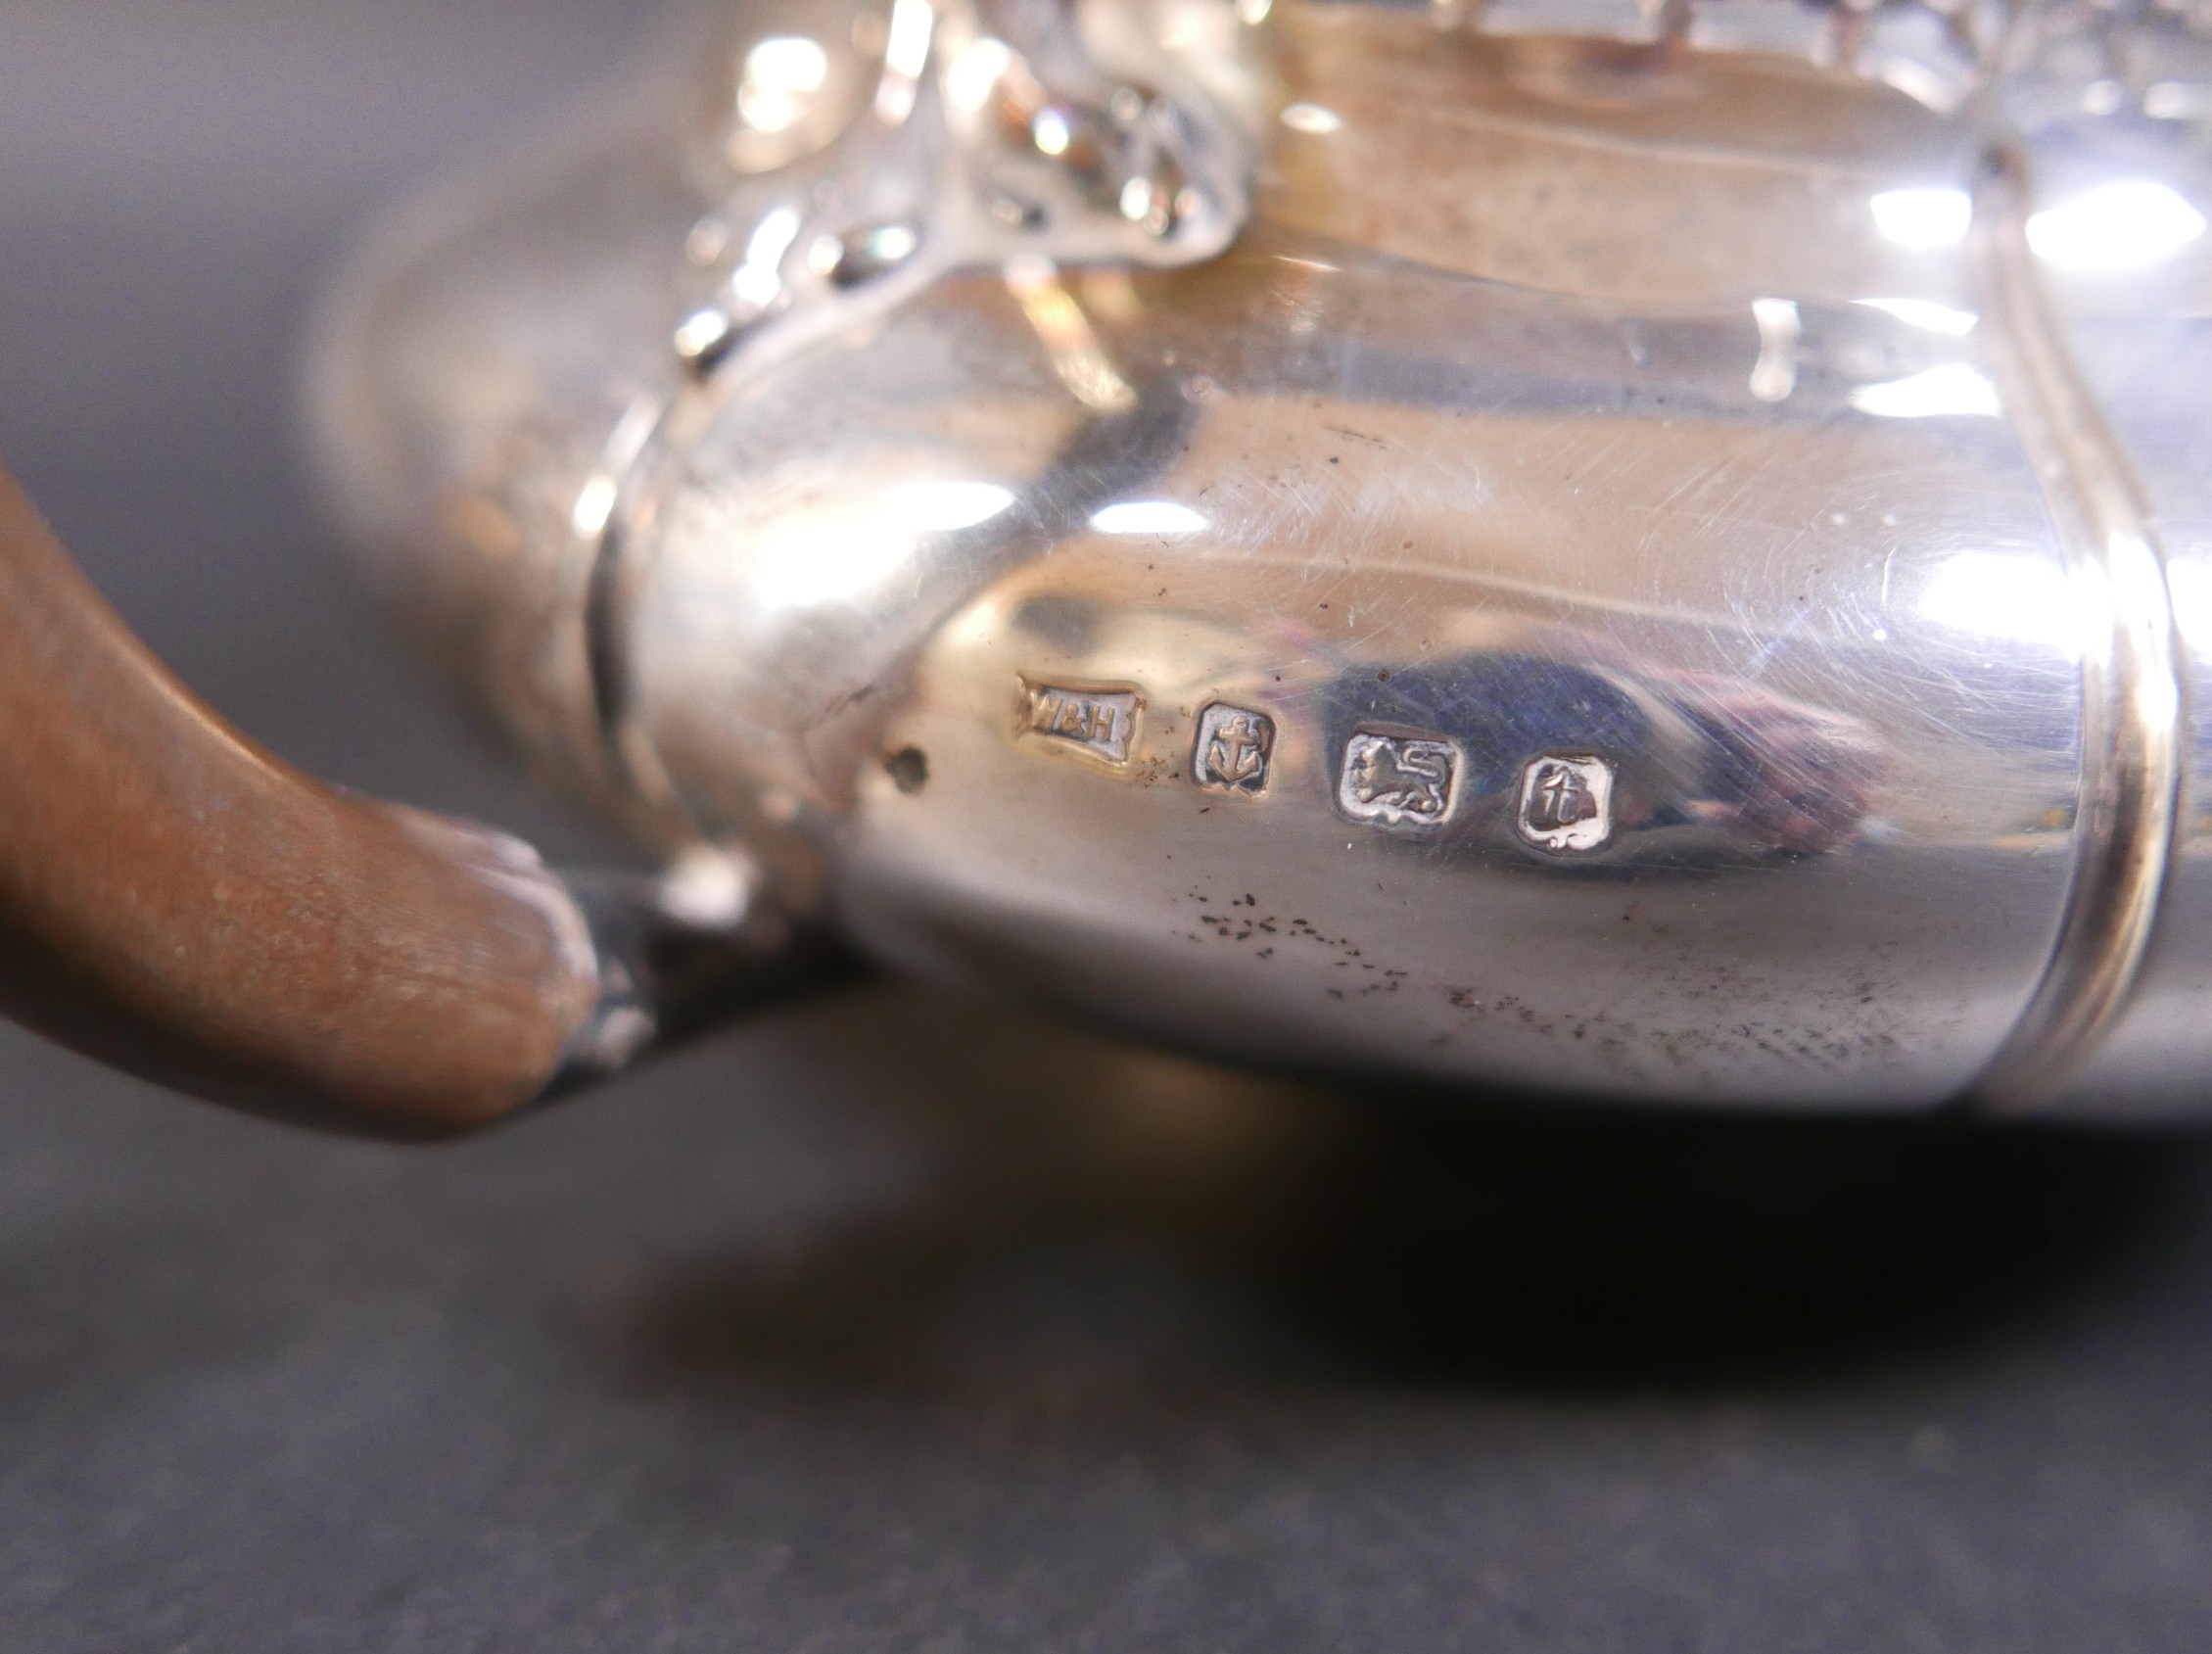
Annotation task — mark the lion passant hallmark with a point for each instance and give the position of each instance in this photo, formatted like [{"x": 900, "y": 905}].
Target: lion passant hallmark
[{"x": 1397, "y": 781}]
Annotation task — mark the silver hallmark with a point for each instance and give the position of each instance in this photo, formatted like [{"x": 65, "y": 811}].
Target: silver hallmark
[
  {"x": 1101, "y": 722},
  {"x": 1398, "y": 779},
  {"x": 1234, "y": 749},
  {"x": 1566, "y": 803}
]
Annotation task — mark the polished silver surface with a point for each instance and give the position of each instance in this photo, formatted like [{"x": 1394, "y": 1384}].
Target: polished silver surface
[
  {"x": 2123, "y": 173},
  {"x": 2131, "y": 682},
  {"x": 1490, "y": 547}
]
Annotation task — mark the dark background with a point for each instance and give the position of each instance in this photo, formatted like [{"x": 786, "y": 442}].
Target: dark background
[{"x": 889, "y": 1322}]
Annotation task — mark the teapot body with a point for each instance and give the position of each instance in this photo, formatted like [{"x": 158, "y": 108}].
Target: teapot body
[{"x": 1587, "y": 570}]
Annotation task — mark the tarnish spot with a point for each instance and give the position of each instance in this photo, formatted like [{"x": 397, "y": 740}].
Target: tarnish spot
[{"x": 909, "y": 769}]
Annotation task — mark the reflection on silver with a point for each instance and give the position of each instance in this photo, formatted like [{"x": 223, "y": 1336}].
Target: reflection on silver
[
  {"x": 1066, "y": 333},
  {"x": 1147, "y": 517},
  {"x": 1951, "y": 391},
  {"x": 2116, "y": 226},
  {"x": 1774, "y": 375},
  {"x": 1311, "y": 119},
  {"x": 1945, "y": 320},
  {"x": 2024, "y": 600},
  {"x": 1923, "y": 219},
  {"x": 782, "y": 76},
  {"x": 1634, "y": 476}
]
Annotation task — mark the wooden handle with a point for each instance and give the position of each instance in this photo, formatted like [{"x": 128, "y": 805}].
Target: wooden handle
[{"x": 177, "y": 902}]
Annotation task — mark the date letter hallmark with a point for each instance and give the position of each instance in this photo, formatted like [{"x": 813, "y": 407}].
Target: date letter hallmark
[
  {"x": 1233, "y": 750},
  {"x": 1566, "y": 803},
  {"x": 1100, "y": 722},
  {"x": 1398, "y": 779}
]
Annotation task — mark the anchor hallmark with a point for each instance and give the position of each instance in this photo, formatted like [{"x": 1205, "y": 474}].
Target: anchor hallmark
[
  {"x": 1566, "y": 803},
  {"x": 1396, "y": 780},
  {"x": 1234, "y": 749},
  {"x": 1100, "y": 722}
]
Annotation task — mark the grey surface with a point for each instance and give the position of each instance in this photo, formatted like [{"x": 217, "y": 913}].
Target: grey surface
[{"x": 892, "y": 1323}]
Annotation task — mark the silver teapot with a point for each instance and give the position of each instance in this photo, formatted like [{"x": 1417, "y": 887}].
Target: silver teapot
[{"x": 1659, "y": 548}]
